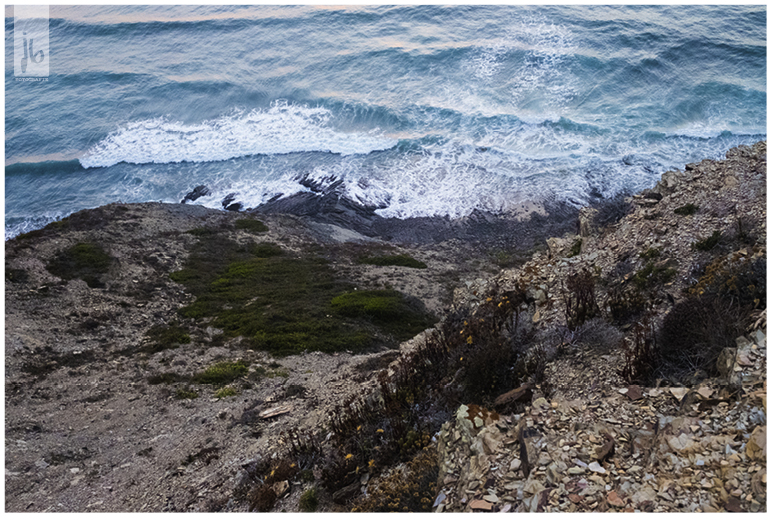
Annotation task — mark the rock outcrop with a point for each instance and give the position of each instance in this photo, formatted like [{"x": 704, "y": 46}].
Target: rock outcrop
[{"x": 596, "y": 442}]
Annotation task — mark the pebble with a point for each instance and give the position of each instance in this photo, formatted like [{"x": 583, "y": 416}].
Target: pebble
[
  {"x": 596, "y": 467},
  {"x": 481, "y": 505}
]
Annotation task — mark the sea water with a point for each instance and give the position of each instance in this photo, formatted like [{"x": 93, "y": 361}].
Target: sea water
[{"x": 418, "y": 110}]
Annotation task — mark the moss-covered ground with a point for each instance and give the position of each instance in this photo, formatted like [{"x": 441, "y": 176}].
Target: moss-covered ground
[
  {"x": 85, "y": 260},
  {"x": 287, "y": 304}
]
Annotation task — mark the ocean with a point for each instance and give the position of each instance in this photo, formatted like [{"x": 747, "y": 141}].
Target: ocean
[{"x": 418, "y": 111}]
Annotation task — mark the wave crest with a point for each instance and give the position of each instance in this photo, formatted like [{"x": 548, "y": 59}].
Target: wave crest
[{"x": 283, "y": 128}]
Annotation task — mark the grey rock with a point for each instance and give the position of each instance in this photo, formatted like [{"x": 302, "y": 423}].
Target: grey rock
[{"x": 196, "y": 193}]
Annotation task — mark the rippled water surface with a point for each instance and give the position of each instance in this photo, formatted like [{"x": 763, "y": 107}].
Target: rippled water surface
[{"x": 420, "y": 111}]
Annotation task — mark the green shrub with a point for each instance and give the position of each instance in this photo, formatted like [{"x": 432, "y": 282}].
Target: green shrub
[
  {"x": 404, "y": 317},
  {"x": 250, "y": 225},
  {"x": 222, "y": 373},
  {"x": 687, "y": 209},
  {"x": 653, "y": 275},
  {"x": 625, "y": 305},
  {"x": 186, "y": 393},
  {"x": 308, "y": 502},
  {"x": 85, "y": 260},
  {"x": 707, "y": 244},
  {"x": 397, "y": 260},
  {"x": 227, "y": 391},
  {"x": 735, "y": 278},
  {"x": 575, "y": 249}
]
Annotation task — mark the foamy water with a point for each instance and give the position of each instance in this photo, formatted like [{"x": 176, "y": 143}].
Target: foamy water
[{"x": 418, "y": 111}]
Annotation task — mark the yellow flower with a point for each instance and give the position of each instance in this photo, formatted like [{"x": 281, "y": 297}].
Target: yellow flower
[
  {"x": 489, "y": 299},
  {"x": 359, "y": 428},
  {"x": 470, "y": 340},
  {"x": 371, "y": 463},
  {"x": 348, "y": 456},
  {"x": 380, "y": 430}
]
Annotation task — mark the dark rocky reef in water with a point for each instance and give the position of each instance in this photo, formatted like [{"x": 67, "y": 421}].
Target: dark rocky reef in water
[{"x": 326, "y": 204}]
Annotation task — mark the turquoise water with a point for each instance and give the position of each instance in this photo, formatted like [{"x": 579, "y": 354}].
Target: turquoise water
[{"x": 420, "y": 111}]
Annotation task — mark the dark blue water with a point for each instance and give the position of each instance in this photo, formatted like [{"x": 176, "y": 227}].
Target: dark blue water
[{"x": 420, "y": 110}]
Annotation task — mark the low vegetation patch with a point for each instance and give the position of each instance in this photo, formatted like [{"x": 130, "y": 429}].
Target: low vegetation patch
[
  {"x": 687, "y": 209},
  {"x": 650, "y": 253},
  {"x": 284, "y": 304},
  {"x": 716, "y": 310},
  {"x": 401, "y": 316},
  {"x": 85, "y": 260},
  {"x": 575, "y": 249},
  {"x": 186, "y": 393},
  {"x": 266, "y": 250},
  {"x": 625, "y": 305},
  {"x": 653, "y": 275},
  {"x": 222, "y": 373},
  {"x": 227, "y": 391},
  {"x": 397, "y": 260},
  {"x": 308, "y": 502},
  {"x": 736, "y": 278},
  {"x": 166, "y": 336},
  {"x": 46, "y": 362},
  {"x": 709, "y": 243},
  {"x": 410, "y": 489},
  {"x": 250, "y": 225}
]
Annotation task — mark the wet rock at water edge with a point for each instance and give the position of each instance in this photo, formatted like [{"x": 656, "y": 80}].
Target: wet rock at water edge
[{"x": 196, "y": 193}]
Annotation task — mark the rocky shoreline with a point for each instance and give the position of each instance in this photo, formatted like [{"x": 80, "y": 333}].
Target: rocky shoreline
[{"x": 92, "y": 426}]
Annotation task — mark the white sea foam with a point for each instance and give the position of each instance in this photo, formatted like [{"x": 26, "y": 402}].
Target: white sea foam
[
  {"x": 281, "y": 129},
  {"x": 541, "y": 73}
]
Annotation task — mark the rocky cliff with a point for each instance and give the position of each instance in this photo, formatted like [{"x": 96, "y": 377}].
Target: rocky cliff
[{"x": 623, "y": 368}]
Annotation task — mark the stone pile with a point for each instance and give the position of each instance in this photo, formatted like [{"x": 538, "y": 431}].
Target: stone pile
[
  {"x": 593, "y": 442},
  {"x": 614, "y": 447}
]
